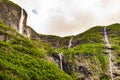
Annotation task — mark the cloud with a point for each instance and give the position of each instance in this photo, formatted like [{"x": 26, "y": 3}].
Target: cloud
[{"x": 34, "y": 11}]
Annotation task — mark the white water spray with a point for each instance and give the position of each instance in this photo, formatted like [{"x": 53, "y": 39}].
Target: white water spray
[
  {"x": 70, "y": 42},
  {"x": 21, "y": 22},
  {"x": 110, "y": 52}
]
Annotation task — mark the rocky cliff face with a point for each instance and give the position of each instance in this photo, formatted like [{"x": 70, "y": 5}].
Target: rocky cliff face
[{"x": 10, "y": 14}]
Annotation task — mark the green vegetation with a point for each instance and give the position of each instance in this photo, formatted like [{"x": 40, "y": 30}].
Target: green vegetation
[
  {"x": 89, "y": 46},
  {"x": 21, "y": 60},
  {"x": 92, "y": 45},
  {"x": 88, "y": 50},
  {"x": 114, "y": 35},
  {"x": 104, "y": 77},
  {"x": 92, "y": 35}
]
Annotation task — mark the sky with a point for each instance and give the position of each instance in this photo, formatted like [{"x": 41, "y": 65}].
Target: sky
[{"x": 69, "y": 17}]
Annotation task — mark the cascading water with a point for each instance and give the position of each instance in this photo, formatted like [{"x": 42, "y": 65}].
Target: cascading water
[
  {"x": 110, "y": 52},
  {"x": 21, "y": 22},
  {"x": 70, "y": 42},
  {"x": 60, "y": 56}
]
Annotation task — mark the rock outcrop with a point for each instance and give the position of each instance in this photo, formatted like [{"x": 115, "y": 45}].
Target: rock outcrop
[{"x": 10, "y": 14}]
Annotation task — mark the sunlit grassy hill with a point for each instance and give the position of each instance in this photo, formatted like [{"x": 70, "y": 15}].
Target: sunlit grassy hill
[{"x": 20, "y": 59}]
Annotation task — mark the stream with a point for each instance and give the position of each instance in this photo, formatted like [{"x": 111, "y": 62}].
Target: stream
[{"x": 110, "y": 52}]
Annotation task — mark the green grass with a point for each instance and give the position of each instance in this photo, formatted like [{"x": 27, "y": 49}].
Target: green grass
[
  {"x": 89, "y": 50},
  {"x": 23, "y": 59},
  {"x": 92, "y": 35},
  {"x": 114, "y": 36}
]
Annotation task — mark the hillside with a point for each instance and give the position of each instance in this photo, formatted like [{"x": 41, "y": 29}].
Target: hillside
[
  {"x": 20, "y": 59},
  {"x": 85, "y": 58}
]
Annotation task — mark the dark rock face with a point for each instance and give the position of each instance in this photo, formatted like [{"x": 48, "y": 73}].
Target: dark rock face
[
  {"x": 84, "y": 71},
  {"x": 68, "y": 67},
  {"x": 10, "y": 14}
]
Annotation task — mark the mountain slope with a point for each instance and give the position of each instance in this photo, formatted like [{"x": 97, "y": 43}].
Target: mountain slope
[
  {"x": 88, "y": 55},
  {"x": 86, "y": 59},
  {"x": 21, "y": 60}
]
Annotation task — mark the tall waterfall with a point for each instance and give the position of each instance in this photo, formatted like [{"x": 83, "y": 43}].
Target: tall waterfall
[
  {"x": 21, "y": 22},
  {"x": 110, "y": 52},
  {"x": 70, "y": 42}
]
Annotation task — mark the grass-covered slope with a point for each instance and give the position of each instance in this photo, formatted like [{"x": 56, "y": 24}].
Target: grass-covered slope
[{"x": 20, "y": 59}]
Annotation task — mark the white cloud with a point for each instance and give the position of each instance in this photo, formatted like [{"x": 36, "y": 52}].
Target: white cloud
[{"x": 68, "y": 17}]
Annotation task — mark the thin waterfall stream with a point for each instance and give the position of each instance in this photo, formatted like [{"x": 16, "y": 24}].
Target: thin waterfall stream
[
  {"x": 21, "y": 22},
  {"x": 110, "y": 52},
  {"x": 60, "y": 56},
  {"x": 70, "y": 42}
]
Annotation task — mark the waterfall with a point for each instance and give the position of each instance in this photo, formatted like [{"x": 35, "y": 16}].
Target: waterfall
[
  {"x": 106, "y": 38},
  {"x": 60, "y": 56},
  {"x": 21, "y": 22},
  {"x": 70, "y": 42},
  {"x": 110, "y": 52}
]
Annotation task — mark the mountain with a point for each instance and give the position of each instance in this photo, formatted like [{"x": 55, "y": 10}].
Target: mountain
[{"x": 27, "y": 55}]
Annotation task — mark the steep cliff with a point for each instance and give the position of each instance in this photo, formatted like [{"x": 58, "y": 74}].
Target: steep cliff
[{"x": 11, "y": 14}]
